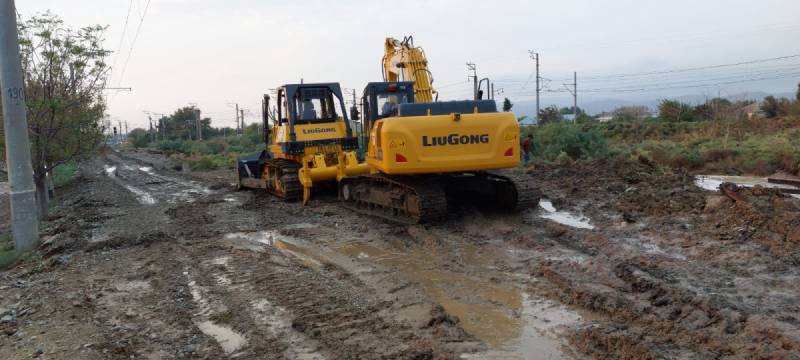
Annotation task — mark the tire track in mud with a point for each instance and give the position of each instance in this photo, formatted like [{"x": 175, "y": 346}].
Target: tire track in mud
[
  {"x": 271, "y": 299},
  {"x": 149, "y": 186}
]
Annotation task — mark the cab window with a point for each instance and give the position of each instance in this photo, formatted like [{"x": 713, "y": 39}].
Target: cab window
[
  {"x": 387, "y": 103},
  {"x": 316, "y": 105}
]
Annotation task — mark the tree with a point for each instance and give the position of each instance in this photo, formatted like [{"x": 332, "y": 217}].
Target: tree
[
  {"x": 181, "y": 125},
  {"x": 139, "y": 137},
  {"x": 64, "y": 71},
  {"x": 507, "y": 105},
  {"x": 548, "y": 115},
  {"x": 797, "y": 95},
  {"x": 773, "y": 107},
  {"x": 675, "y": 111}
]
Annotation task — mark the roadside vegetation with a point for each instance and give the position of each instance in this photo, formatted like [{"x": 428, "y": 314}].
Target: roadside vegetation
[
  {"x": 219, "y": 148},
  {"x": 718, "y": 136}
]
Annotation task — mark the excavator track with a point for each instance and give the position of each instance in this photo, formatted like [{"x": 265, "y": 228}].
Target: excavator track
[
  {"x": 516, "y": 192},
  {"x": 402, "y": 199},
  {"x": 282, "y": 179}
]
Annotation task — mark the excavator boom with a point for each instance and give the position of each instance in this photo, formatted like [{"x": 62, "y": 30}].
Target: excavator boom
[{"x": 402, "y": 61}]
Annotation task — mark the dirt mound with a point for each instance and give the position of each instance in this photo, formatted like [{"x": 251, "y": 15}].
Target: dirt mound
[
  {"x": 766, "y": 216},
  {"x": 630, "y": 188}
]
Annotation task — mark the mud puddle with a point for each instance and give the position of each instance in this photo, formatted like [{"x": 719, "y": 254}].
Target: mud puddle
[
  {"x": 496, "y": 309},
  {"x": 712, "y": 182},
  {"x": 563, "y": 217},
  {"x": 143, "y": 197},
  {"x": 228, "y": 339},
  {"x": 511, "y": 321},
  {"x": 286, "y": 244}
]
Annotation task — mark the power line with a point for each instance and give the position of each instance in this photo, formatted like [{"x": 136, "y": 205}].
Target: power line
[
  {"x": 696, "y": 68},
  {"x": 133, "y": 43},
  {"x": 642, "y": 89},
  {"x": 122, "y": 38},
  {"x": 645, "y": 88}
]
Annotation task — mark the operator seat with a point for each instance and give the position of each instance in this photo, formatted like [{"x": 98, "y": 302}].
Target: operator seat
[
  {"x": 388, "y": 108},
  {"x": 308, "y": 111}
]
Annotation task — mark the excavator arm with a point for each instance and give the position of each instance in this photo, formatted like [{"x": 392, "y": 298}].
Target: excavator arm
[{"x": 402, "y": 61}]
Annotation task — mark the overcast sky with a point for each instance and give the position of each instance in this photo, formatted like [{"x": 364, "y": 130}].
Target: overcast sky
[{"x": 213, "y": 53}]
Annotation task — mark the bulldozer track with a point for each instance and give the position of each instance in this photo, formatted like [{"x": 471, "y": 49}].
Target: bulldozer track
[
  {"x": 425, "y": 193},
  {"x": 290, "y": 188}
]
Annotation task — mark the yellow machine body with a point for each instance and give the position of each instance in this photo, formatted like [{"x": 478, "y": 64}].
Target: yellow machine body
[
  {"x": 309, "y": 141},
  {"x": 444, "y": 143},
  {"x": 319, "y": 163}
]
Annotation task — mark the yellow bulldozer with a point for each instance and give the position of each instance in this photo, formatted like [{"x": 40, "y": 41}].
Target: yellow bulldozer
[
  {"x": 310, "y": 139},
  {"x": 420, "y": 154}
]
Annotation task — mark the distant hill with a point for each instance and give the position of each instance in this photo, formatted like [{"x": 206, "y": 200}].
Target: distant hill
[{"x": 594, "y": 106}]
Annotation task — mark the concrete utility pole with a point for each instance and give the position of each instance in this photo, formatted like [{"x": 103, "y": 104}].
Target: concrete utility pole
[
  {"x": 574, "y": 92},
  {"x": 238, "y": 130},
  {"x": 24, "y": 215},
  {"x": 241, "y": 112},
  {"x": 198, "y": 125},
  {"x": 152, "y": 133},
  {"x": 474, "y": 76},
  {"x": 535, "y": 57}
]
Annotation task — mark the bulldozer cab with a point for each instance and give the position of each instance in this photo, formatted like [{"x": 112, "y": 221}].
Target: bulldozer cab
[
  {"x": 310, "y": 103},
  {"x": 311, "y": 115}
]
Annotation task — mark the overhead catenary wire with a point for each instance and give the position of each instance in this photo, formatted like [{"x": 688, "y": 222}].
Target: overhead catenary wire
[
  {"x": 122, "y": 37},
  {"x": 133, "y": 43}
]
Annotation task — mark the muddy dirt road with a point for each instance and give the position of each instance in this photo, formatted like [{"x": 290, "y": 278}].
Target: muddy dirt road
[{"x": 142, "y": 261}]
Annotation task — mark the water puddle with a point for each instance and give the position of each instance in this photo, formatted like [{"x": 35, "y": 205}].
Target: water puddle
[
  {"x": 284, "y": 243},
  {"x": 712, "y": 182},
  {"x": 505, "y": 317},
  {"x": 229, "y": 340},
  {"x": 563, "y": 217},
  {"x": 143, "y": 197},
  {"x": 146, "y": 169}
]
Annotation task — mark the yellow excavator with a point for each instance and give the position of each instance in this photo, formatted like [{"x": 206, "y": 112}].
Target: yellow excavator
[{"x": 423, "y": 154}]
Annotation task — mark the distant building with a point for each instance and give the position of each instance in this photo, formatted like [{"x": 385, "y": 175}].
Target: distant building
[
  {"x": 752, "y": 111},
  {"x": 605, "y": 118}
]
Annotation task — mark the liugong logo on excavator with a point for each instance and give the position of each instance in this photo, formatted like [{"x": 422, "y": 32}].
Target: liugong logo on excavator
[{"x": 455, "y": 139}]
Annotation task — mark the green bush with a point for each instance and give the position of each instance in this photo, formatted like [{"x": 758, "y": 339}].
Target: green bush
[
  {"x": 64, "y": 173},
  {"x": 173, "y": 145},
  {"x": 575, "y": 140},
  {"x": 202, "y": 163}
]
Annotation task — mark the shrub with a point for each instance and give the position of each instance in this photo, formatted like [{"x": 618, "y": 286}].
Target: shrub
[
  {"x": 672, "y": 110},
  {"x": 202, "y": 163},
  {"x": 773, "y": 107},
  {"x": 576, "y": 141}
]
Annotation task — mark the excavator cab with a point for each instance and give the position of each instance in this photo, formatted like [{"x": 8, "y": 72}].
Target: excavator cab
[{"x": 381, "y": 100}]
